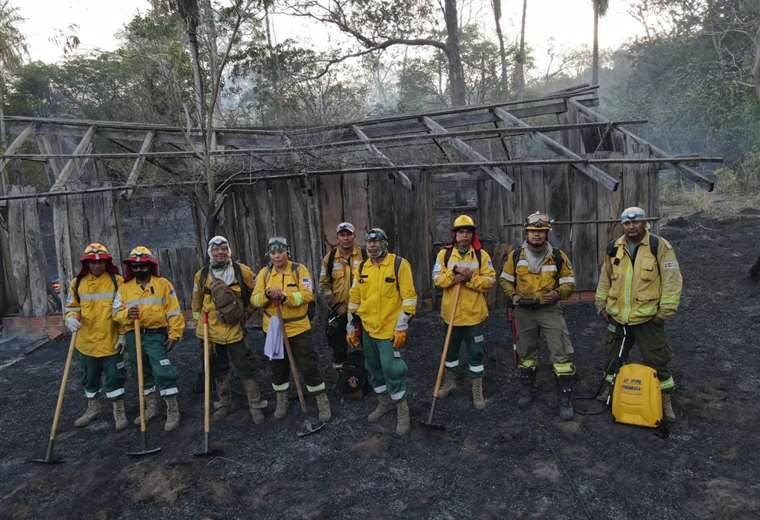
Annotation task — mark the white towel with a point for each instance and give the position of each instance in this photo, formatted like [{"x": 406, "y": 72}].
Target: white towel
[{"x": 274, "y": 347}]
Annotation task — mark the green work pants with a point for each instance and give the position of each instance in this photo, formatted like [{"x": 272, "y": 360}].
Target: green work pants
[
  {"x": 158, "y": 370},
  {"x": 653, "y": 346},
  {"x": 306, "y": 360},
  {"x": 547, "y": 321},
  {"x": 472, "y": 336},
  {"x": 385, "y": 368},
  {"x": 236, "y": 354},
  {"x": 111, "y": 367}
]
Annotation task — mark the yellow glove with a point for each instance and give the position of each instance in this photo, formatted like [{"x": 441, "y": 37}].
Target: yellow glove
[
  {"x": 197, "y": 316},
  {"x": 353, "y": 339},
  {"x": 399, "y": 339}
]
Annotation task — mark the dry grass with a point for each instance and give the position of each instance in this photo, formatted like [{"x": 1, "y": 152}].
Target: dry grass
[{"x": 679, "y": 199}]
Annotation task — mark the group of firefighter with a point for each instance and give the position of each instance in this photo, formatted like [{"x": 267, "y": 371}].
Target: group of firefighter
[{"x": 372, "y": 300}]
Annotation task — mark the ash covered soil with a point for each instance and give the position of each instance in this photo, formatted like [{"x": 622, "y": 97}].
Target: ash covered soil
[{"x": 496, "y": 463}]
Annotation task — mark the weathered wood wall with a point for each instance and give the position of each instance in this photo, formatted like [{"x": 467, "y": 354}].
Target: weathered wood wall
[
  {"x": 25, "y": 255},
  {"x": 179, "y": 266}
]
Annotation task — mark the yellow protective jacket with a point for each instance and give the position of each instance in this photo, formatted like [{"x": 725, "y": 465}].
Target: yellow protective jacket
[
  {"x": 92, "y": 304},
  {"x": 157, "y": 303},
  {"x": 635, "y": 291},
  {"x": 374, "y": 297},
  {"x": 472, "y": 308},
  {"x": 299, "y": 293},
  {"x": 518, "y": 280},
  {"x": 334, "y": 288},
  {"x": 202, "y": 302}
]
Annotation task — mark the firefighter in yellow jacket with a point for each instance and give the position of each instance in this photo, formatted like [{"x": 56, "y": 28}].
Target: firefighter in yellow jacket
[
  {"x": 383, "y": 299},
  {"x": 223, "y": 289},
  {"x": 639, "y": 290},
  {"x": 289, "y": 285},
  {"x": 152, "y": 299},
  {"x": 536, "y": 277},
  {"x": 335, "y": 278},
  {"x": 465, "y": 263},
  {"x": 88, "y": 314}
]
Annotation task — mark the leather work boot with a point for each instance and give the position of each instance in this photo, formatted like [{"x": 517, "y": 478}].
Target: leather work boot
[
  {"x": 282, "y": 405},
  {"x": 255, "y": 404},
  {"x": 151, "y": 408},
  {"x": 89, "y": 415},
  {"x": 565, "y": 391},
  {"x": 449, "y": 383},
  {"x": 384, "y": 406},
  {"x": 667, "y": 407},
  {"x": 119, "y": 415},
  {"x": 223, "y": 404},
  {"x": 527, "y": 387},
  {"x": 323, "y": 405},
  {"x": 403, "y": 422},
  {"x": 172, "y": 413},
  {"x": 477, "y": 394}
]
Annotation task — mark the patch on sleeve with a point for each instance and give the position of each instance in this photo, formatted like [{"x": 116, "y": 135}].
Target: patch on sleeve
[
  {"x": 306, "y": 282},
  {"x": 437, "y": 268},
  {"x": 490, "y": 264},
  {"x": 117, "y": 302},
  {"x": 670, "y": 264}
]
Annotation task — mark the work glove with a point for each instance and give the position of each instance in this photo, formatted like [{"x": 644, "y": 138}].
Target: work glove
[
  {"x": 399, "y": 339},
  {"x": 133, "y": 313},
  {"x": 72, "y": 323},
  {"x": 352, "y": 338},
  {"x": 197, "y": 317},
  {"x": 121, "y": 344},
  {"x": 169, "y": 344}
]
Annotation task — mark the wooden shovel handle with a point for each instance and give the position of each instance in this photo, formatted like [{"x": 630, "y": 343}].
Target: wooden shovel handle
[
  {"x": 291, "y": 360},
  {"x": 62, "y": 389},
  {"x": 206, "y": 376},
  {"x": 439, "y": 377},
  {"x": 140, "y": 379}
]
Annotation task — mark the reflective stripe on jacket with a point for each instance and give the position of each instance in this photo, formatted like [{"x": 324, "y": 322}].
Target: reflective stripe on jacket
[
  {"x": 376, "y": 300},
  {"x": 299, "y": 293},
  {"x": 218, "y": 331},
  {"x": 92, "y": 305},
  {"x": 518, "y": 280},
  {"x": 334, "y": 289},
  {"x": 157, "y": 303},
  {"x": 472, "y": 308},
  {"x": 634, "y": 291}
]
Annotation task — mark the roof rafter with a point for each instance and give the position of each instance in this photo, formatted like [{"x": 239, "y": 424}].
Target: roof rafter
[
  {"x": 591, "y": 171},
  {"x": 69, "y": 172},
  {"x": 139, "y": 162},
  {"x": 405, "y": 181},
  {"x": 497, "y": 174},
  {"x": 20, "y": 139}
]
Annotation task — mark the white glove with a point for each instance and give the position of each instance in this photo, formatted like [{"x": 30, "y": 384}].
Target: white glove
[
  {"x": 350, "y": 323},
  {"x": 72, "y": 323},
  {"x": 121, "y": 344},
  {"x": 402, "y": 322}
]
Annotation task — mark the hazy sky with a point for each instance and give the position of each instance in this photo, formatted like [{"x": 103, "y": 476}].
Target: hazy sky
[{"x": 568, "y": 22}]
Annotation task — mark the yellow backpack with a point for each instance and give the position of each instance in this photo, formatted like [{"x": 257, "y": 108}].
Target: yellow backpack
[{"x": 637, "y": 398}]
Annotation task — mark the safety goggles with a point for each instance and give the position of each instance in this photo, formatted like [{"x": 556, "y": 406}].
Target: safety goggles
[
  {"x": 538, "y": 220},
  {"x": 216, "y": 242},
  {"x": 277, "y": 244},
  {"x": 376, "y": 234},
  {"x": 631, "y": 215},
  {"x": 96, "y": 251}
]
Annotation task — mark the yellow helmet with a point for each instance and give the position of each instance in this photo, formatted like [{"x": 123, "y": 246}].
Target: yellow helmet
[
  {"x": 95, "y": 251},
  {"x": 463, "y": 221},
  {"x": 141, "y": 254},
  {"x": 538, "y": 222}
]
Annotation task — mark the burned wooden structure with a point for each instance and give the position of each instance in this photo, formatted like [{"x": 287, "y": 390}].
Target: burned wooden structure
[{"x": 409, "y": 174}]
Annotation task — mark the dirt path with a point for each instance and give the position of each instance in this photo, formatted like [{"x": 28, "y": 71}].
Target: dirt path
[{"x": 498, "y": 463}]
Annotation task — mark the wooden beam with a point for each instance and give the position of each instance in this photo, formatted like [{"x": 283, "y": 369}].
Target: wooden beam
[
  {"x": 591, "y": 171},
  {"x": 139, "y": 162},
  {"x": 67, "y": 173},
  {"x": 405, "y": 181},
  {"x": 688, "y": 172},
  {"x": 496, "y": 174},
  {"x": 15, "y": 145}
]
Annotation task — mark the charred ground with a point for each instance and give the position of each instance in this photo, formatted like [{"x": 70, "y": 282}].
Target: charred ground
[{"x": 498, "y": 463}]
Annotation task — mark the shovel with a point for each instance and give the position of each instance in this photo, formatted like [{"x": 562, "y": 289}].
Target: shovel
[
  {"x": 206, "y": 452},
  {"x": 308, "y": 427},
  {"x": 141, "y": 397},
  {"x": 58, "y": 406},
  {"x": 429, "y": 423}
]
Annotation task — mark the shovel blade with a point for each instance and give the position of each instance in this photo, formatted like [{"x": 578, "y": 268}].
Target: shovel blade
[
  {"x": 209, "y": 453},
  {"x": 47, "y": 461},
  {"x": 142, "y": 453},
  {"x": 309, "y": 428},
  {"x": 433, "y": 426}
]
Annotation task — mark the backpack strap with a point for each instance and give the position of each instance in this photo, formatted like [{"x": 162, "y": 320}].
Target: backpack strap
[
  {"x": 204, "y": 278},
  {"x": 330, "y": 260},
  {"x": 516, "y": 258},
  {"x": 396, "y": 269},
  {"x": 245, "y": 290},
  {"x": 559, "y": 262}
]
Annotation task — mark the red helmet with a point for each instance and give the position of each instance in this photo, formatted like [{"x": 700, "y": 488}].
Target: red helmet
[{"x": 95, "y": 251}]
